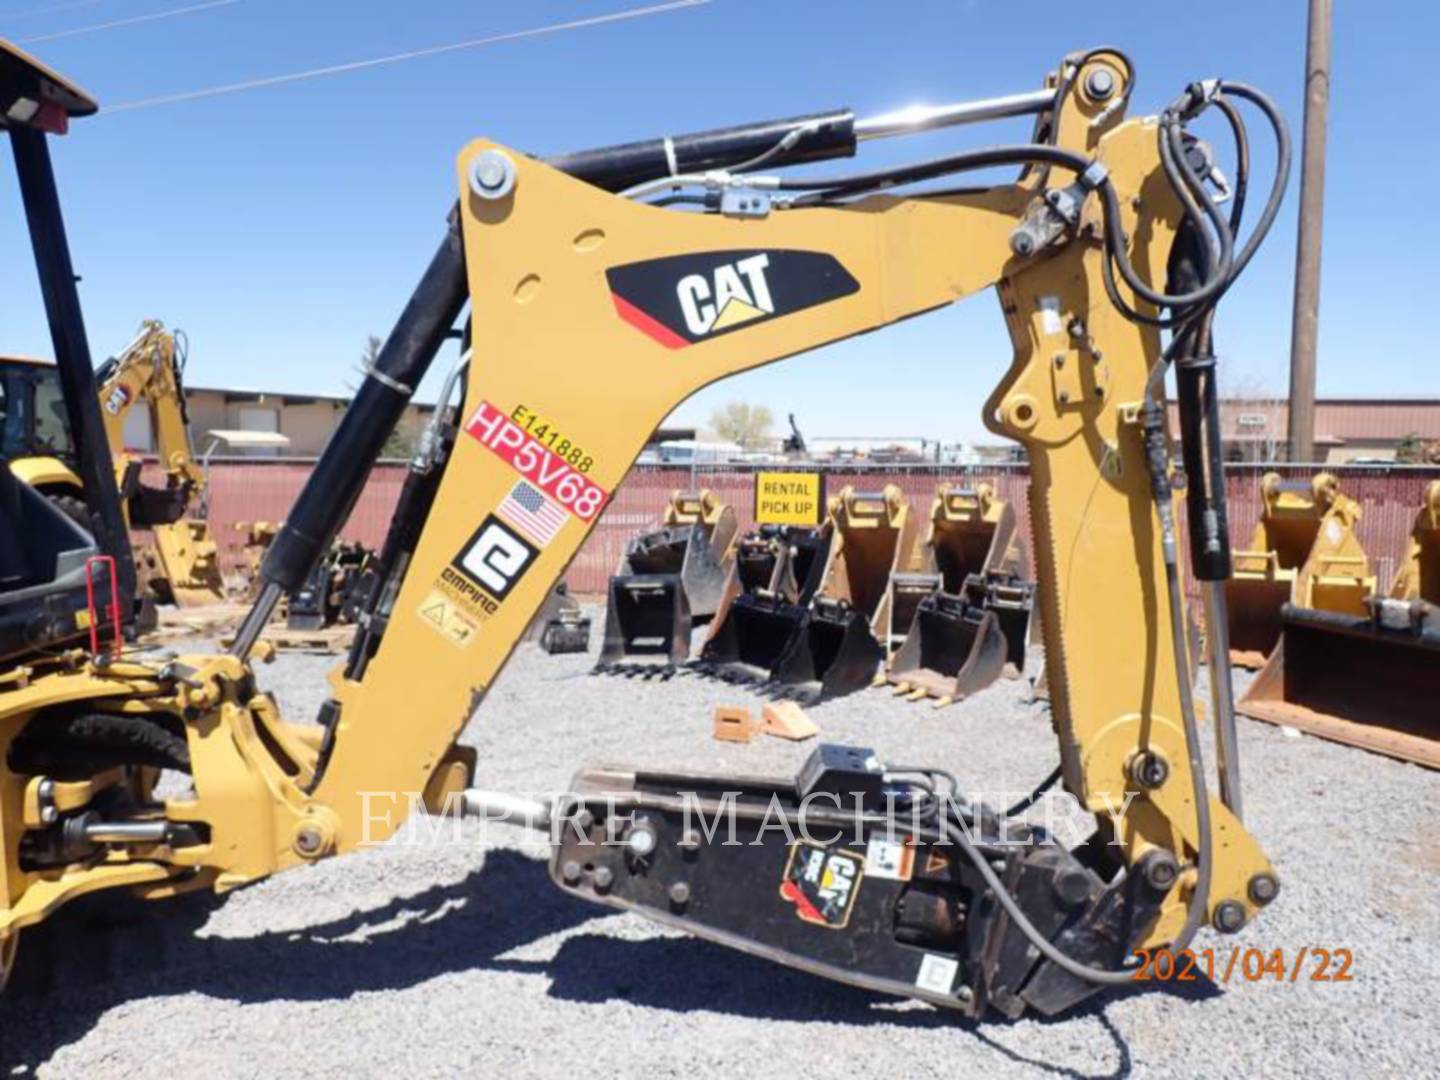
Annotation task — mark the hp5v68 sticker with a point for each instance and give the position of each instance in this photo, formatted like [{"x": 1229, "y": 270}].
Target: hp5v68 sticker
[
  {"x": 822, "y": 883},
  {"x": 684, "y": 299},
  {"x": 549, "y": 472}
]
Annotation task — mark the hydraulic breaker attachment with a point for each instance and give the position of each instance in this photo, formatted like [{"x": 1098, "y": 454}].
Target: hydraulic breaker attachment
[
  {"x": 559, "y": 626},
  {"x": 1304, "y": 551},
  {"x": 183, "y": 568},
  {"x": 851, "y": 873},
  {"x": 961, "y": 643},
  {"x": 1419, "y": 577},
  {"x": 693, "y": 547},
  {"x": 1368, "y": 681}
]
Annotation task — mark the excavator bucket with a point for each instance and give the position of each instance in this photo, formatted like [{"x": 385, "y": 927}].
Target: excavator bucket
[
  {"x": 961, "y": 643},
  {"x": 1368, "y": 679},
  {"x": 775, "y": 573},
  {"x": 1304, "y": 551},
  {"x": 670, "y": 579},
  {"x": 830, "y": 645},
  {"x": 1370, "y": 682},
  {"x": 1419, "y": 577},
  {"x": 647, "y": 619},
  {"x": 183, "y": 568},
  {"x": 962, "y": 612}
]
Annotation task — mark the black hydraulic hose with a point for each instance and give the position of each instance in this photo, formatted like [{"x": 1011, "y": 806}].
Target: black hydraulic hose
[
  {"x": 967, "y": 161},
  {"x": 1242, "y": 161}
]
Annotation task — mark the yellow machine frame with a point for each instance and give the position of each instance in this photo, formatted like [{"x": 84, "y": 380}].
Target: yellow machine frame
[{"x": 272, "y": 795}]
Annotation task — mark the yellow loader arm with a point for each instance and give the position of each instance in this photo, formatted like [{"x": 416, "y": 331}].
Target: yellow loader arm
[
  {"x": 148, "y": 371},
  {"x": 593, "y": 317}
]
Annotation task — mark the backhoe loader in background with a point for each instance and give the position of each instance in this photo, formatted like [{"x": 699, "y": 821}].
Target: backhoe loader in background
[
  {"x": 830, "y": 644},
  {"x": 1370, "y": 679},
  {"x": 634, "y": 296},
  {"x": 1304, "y": 552},
  {"x": 670, "y": 580},
  {"x": 960, "y": 611},
  {"x": 180, "y": 565}
]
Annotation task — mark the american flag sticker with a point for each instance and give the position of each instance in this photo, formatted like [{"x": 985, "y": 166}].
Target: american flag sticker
[{"x": 532, "y": 513}]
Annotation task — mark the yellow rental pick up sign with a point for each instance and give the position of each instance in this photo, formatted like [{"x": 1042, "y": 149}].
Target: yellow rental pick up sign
[{"x": 789, "y": 498}]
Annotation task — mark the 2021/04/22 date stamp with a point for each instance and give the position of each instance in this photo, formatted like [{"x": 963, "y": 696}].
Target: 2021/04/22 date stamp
[{"x": 1307, "y": 964}]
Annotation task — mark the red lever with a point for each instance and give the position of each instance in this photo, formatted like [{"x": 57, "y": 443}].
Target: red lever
[{"x": 108, "y": 561}]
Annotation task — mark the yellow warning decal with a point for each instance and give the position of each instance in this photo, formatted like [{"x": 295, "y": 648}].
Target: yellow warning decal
[{"x": 447, "y": 619}]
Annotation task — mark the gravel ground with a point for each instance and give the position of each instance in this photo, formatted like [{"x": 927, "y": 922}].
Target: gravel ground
[{"x": 453, "y": 955}]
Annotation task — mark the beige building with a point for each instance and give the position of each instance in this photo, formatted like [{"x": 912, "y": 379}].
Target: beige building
[{"x": 307, "y": 420}]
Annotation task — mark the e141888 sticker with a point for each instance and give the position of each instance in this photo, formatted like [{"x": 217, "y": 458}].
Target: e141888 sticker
[
  {"x": 549, "y": 472},
  {"x": 822, "y": 883}
]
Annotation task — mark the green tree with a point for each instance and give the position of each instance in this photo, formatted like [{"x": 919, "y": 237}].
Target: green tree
[
  {"x": 1411, "y": 449},
  {"x": 742, "y": 423}
]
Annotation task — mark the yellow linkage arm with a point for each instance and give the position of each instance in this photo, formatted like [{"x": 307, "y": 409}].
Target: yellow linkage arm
[{"x": 594, "y": 317}]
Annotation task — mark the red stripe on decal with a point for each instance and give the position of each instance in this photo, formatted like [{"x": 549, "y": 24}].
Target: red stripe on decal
[{"x": 646, "y": 324}]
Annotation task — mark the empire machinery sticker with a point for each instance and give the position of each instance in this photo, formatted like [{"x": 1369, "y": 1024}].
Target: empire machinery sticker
[
  {"x": 822, "y": 883},
  {"x": 471, "y": 588},
  {"x": 682, "y": 300}
]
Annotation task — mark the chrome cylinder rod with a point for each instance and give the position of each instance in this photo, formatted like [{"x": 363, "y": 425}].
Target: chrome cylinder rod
[
  {"x": 1222, "y": 695},
  {"x": 926, "y": 117}
]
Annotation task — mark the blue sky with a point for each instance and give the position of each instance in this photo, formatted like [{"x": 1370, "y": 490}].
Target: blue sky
[{"x": 280, "y": 226}]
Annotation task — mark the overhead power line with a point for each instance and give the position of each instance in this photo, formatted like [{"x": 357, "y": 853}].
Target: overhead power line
[
  {"x": 51, "y": 9},
  {"x": 115, "y": 24},
  {"x": 396, "y": 58}
]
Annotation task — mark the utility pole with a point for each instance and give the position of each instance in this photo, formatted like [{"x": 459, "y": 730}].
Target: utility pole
[{"x": 1304, "y": 327}]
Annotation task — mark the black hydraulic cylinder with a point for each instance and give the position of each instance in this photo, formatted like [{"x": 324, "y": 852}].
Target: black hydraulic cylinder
[
  {"x": 72, "y": 352},
  {"x": 614, "y": 168},
  {"x": 340, "y": 474}
]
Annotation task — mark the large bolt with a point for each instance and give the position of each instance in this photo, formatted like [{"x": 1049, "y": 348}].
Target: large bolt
[
  {"x": 492, "y": 175},
  {"x": 1263, "y": 888},
  {"x": 309, "y": 841},
  {"x": 603, "y": 878},
  {"x": 1072, "y": 886},
  {"x": 570, "y": 872},
  {"x": 1229, "y": 916},
  {"x": 689, "y": 844},
  {"x": 1149, "y": 769},
  {"x": 680, "y": 894},
  {"x": 641, "y": 840},
  {"x": 1022, "y": 243},
  {"x": 1161, "y": 871},
  {"x": 1100, "y": 83}
]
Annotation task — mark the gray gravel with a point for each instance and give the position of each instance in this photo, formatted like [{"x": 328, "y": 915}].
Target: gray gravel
[{"x": 455, "y": 956}]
